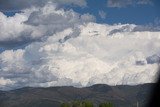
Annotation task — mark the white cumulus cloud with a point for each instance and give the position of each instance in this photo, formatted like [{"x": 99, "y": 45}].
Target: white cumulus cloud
[
  {"x": 93, "y": 56},
  {"x": 37, "y": 23},
  {"x": 66, "y": 48}
]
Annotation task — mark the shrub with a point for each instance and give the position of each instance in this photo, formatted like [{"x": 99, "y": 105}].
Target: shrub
[
  {"x": 65, "y": 105},
  {"x": 106, "y": 104}
]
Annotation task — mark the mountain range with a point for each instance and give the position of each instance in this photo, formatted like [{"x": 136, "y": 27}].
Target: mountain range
[{"x": 120, "y": 95}]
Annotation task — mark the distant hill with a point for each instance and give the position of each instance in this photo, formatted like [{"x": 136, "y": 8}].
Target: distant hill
[{"x": 120, "y": 96}]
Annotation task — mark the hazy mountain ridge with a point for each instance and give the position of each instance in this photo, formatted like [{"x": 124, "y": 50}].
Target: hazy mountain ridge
[{"x": 121, "y": 95}]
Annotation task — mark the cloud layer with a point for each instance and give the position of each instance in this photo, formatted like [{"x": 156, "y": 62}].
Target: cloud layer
[
  {"x": 66, "y": 48},
  {"x": 9, "y": 5},
  {"x": 125, "y": 3}
]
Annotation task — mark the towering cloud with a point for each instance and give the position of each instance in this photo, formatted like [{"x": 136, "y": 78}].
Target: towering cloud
[
  {"x": 62, "y": 47},
  {"x": 84, "y": 57}
]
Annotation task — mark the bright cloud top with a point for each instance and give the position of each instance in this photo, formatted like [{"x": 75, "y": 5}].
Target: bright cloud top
[{"x": 70, "y": 49}]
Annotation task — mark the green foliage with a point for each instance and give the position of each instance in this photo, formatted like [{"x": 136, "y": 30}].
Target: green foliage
[
  {"x": 82, "y": 104},
  {"x": 65, "y": 105},
  {"x": 85, "y": 104},
  {"x": 78, "y": 104},
  {"x": 106, "y": 104}
]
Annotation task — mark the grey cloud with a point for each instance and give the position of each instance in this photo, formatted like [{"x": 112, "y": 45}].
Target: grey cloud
[
  {"x": 143, "y": 2},
  {"x": 18, "y": 42},
  {"x": 125, "y": 28},
  {"x": 14, "y": 5},
  {"x": 55, "y": 22},
  {"x": 39, "y": 24},
  {"x": 118, "y": 3},
  {"x": 135, "y": 28},
  {"x": 140, "y": 63},
  {"x": 102, "y": 14},
  {"x": 153, "y": 59},
  {"x": 151, "y": 28},
  {"x": 125, "y": 3}
]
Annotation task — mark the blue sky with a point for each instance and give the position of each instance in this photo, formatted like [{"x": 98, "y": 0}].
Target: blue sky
[
  {"x": 133, "y": 14},
  {"x": 137, "y": 14}
]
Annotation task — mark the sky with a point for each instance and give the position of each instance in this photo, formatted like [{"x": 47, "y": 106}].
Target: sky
[
  {"x": 46, "y": 43},
  {"x": 142, "y": 13},
  {"x": 132, "y": 13}
]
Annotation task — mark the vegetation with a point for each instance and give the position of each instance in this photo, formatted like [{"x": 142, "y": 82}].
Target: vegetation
[
  {"x": 106, "y": 104},
  {"x": 85, "y": 104},
  {"x": 78, "y": 104},
  {"x": 65, "y": 105}
]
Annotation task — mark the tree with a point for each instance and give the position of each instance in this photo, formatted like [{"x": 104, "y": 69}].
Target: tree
[
  {"x": 106, "y": 104},
  {"x": 65, "y": 105},
  {"x": 87, "y": 104},
  {"x": 78, "y": 104}
]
